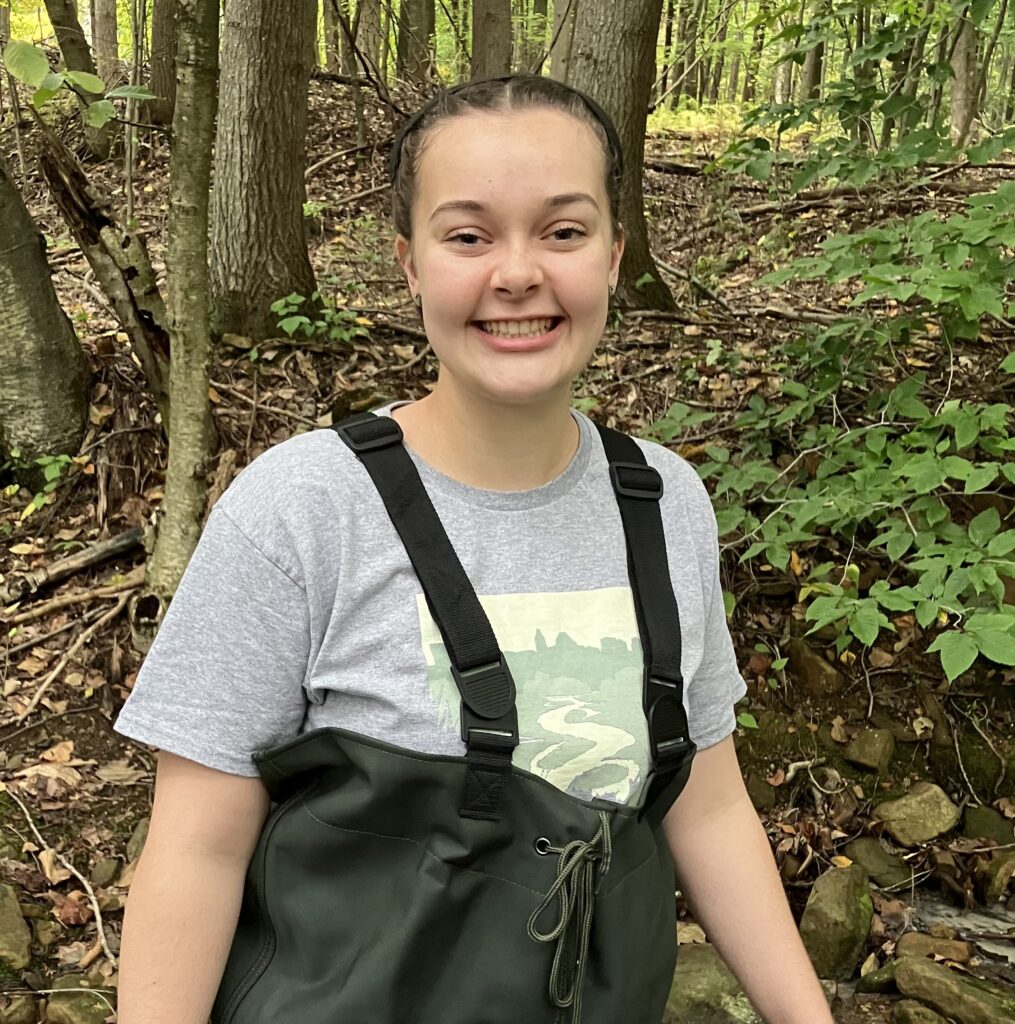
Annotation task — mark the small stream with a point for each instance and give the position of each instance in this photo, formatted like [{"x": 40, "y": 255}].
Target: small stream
[{"x": 974, "y": 926}]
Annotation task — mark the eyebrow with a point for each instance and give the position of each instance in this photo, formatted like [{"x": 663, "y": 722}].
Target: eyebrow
[{"x": 472, "y": 206}]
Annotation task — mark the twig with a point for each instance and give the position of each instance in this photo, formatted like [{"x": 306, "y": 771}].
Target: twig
[
  {"x": 962, "y": 767},
  {"x": 48, "y": 636},
  {"x": 70, "y": 867},
  {"x": 360, "y": 195},
  {"x": 236, "y": 393},
  {"x": 331, "y": 158},
  {"x": 85, "y": 634},
  {"x": 133, "y": 579}
]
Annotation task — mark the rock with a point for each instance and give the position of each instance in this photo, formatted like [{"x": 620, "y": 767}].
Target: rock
[
  {"x": 704, "y": 991},
  {"x": 836, "y": 921},
  {"x": 909, "y": 1011},
  {"x": 19, "y": 1010},
  {"x": 47, "y": 931},
  {"x": 137, "y": 840},
  {"x": 924, "y": 813},
  {"x": 74, "y": 1002},
  {"x": 880, "y": 981},
  {"x": 986, "y": 823},
  {"x": 1000, "y": 871},
  {"x": 105, "y": 871},
  {"x": 959, "y": 997},
  {"x": 762, "y": 793},
  {"x": 918, "y": 944},
  {"x": 872, "y": 749},
  {"x": 814, "y": 672},
  {"x": 15, "y": 937},
  {"x": 884, "y": 867}
]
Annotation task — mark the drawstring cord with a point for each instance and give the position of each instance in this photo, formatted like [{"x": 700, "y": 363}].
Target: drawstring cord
[{"x": 576, "y": 887}]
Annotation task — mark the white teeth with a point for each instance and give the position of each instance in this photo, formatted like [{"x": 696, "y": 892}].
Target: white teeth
[{"x": 517, "y": 328}]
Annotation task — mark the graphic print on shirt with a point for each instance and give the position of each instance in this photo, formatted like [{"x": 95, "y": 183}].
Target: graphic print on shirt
[{"x": 576, "y": 660}]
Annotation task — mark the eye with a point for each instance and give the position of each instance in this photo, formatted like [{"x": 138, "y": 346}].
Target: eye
[
  {"x": 570, "y": 233},
  {"x": 466, "y": 238}
]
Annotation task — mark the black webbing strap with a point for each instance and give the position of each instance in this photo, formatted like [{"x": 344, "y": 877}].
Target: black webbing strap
[
  {"x": 638, "y": 488},
  {"x": 489, "y": 715}
]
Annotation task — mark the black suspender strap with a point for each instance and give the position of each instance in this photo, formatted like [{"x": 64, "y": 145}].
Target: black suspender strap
[
  {"x": 489, "y": 715},
  {"x": 638, "y": 488}
]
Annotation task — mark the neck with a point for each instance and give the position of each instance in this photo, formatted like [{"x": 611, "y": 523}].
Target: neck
[{"x": 490, "y": 446}]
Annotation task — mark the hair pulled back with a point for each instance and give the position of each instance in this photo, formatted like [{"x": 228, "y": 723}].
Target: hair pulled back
[{"x": 513, "y": 92}]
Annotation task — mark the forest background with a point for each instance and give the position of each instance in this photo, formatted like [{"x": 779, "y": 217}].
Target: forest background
[{"x": 815, "y": 310}]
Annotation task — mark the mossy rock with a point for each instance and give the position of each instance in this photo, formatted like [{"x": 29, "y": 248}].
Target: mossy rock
[{"x": 979, "y": 762}]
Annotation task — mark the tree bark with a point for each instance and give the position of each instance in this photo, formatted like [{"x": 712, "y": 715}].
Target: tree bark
[
  {"x": 77, "y": 56},
  {"x": 44, "y": 376},
  {"x": 754, "y": 57},
  {"x": 565, "y": 20},
  {"x": 333, "y": 41},
  {"x": 259, "y": 250},
  {"x": 104, "y": 41},
  {"x": 536, "y": 34},
  {"x": 491, "y": 38},
  {"x": 965, "y": 83},
  {"x": 415, "y": 39},
  {"x": 162, "y": 81},
  {"x": 613, "y": 60},
  {"x": 370, "y": 35},
  {"x": 191, "y": 434}
]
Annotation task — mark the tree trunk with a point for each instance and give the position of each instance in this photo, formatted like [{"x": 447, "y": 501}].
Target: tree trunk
[
  {"x": 754, "y": 57},
  {"x": 191, "y": 436},
  {"x": 44, "y": 376},
  {"x": 565, "y": 20},
  {"x": 162, "y": 81},
  {"x": 104, "y": 40},
  {"x": 810, "y": 77},
  {"x": 415, "y": 38},
  {"x": 491, "y": 38},
  {"x": 370, "y": 34},
  {"x": 1009, "y": 106},
  {"x": 78, "y": 57},
  {"x": 333, "y": 41},
  {"x": 613, "y": 60},
  {"x": 259, "y": 250},
  {"x": 720, "y": 59},
  {"x": 965, "y": 83},
  {"x": 667, "y": 52}
]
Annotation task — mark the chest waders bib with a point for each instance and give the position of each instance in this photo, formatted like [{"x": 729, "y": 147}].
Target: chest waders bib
[{"x": 395, "y": 887}]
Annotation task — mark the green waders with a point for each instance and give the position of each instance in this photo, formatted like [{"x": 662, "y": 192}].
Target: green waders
[{"x": 395, "y": 887}]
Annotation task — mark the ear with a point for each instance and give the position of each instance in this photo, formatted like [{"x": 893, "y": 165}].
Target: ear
[
  {"x": 616, "y": 252},
  {"x": 403, "y": 253}
]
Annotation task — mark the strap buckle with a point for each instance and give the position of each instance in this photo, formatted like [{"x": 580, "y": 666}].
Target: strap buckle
[
  {"x": 367, "y": 432},
  {"x": 669, "y": 739},
  {"x": 636, "y": 480},
  {"x": 486, "y": 690}
]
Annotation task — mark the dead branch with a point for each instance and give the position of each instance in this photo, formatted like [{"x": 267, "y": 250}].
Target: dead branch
[
  {"x": 133, "y": 579},
  {"x": 84, "y": 635},
  {"x": 30, "y": 582},
  {"x": 118, "y": 258}
]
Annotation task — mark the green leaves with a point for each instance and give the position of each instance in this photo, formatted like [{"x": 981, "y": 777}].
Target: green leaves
[
  {"x": 98, "y": 113},
  {"x": 25, "y": 62},
  {"x": 82, "y": 79},
  {"x": 958, "y": 652},
  {"x": 130, "y": 92}
]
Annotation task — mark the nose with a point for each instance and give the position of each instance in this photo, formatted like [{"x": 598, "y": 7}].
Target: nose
[{"x": 518, "y": 269}]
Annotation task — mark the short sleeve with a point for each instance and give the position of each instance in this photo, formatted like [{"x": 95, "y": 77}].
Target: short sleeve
[{"x": 225, "y": 675}]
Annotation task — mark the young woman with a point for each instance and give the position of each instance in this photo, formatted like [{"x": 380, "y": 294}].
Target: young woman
[{"x": 461, "y": 841}]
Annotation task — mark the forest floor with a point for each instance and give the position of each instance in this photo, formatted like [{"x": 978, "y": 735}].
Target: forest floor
[{"x": 85, "y": 792}]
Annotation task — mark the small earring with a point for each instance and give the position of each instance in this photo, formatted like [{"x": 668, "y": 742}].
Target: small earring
[
  {"x": 418, "y": 299},
  {"x": 613, "y": 290}
]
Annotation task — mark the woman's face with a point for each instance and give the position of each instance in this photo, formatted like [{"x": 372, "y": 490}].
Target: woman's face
[{"x": 512, "y": 251}]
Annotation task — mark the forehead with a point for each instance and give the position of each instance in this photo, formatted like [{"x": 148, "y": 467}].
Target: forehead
[{"x": 496, "y": 156}]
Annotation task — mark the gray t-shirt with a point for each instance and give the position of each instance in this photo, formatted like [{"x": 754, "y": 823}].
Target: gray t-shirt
[{"x": 299, "y": 609}]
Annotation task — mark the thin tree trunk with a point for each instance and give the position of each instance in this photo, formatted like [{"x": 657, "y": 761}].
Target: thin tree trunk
[
  {"x": 537, "y": 33},
  {"x": 44, "y": 376},
  {"x": 667, "y": 51},
  {"x": 491, "y": 38},
  {"x": 259, "y": 250},
  {"x": 191, "y": 434},
  {"x": 77, "y": 56},
  {"x": 613, "y": 60},
  {"x": 565, "y": 20},
  {"x": 754, "y": 58},
  {"x": 720, "y": 59},
  {"x": 333, "y": 39},
  {"x": 965, "y": 83},
  {"x": 162, "y": 81},
  {"x": 415, "y": 39},
  {"x": 1009, "y": 106},
  {"x": 370, "y": 38},
  {"x": 988, "y": 56},
  {"x": 104, "y": 40}
]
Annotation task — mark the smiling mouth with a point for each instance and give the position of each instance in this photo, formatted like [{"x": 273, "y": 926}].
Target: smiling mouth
[{"x": 519, "y": 328}]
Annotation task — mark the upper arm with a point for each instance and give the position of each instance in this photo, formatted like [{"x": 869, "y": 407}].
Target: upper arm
[
  {"x": 206, "y": 810},
  {"x": 715, "y": 785}
]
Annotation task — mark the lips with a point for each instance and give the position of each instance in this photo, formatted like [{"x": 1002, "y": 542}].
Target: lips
[{"x": 520, "y": 342}]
